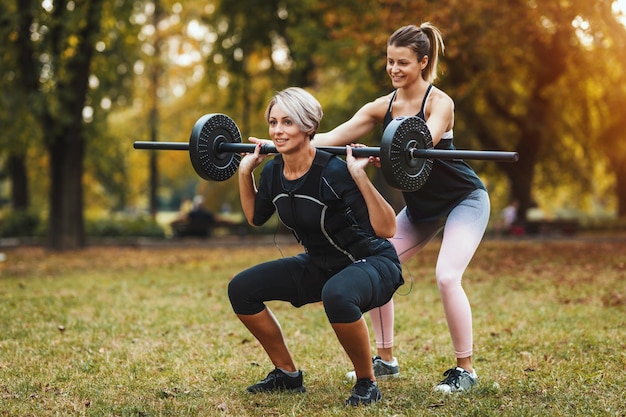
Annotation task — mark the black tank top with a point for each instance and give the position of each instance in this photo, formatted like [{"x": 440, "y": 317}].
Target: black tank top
[{"x": 449, "y": 182}]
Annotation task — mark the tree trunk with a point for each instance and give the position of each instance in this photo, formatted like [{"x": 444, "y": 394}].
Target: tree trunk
[
  {"x": 19, "y": 181},
  {"x": 528, "y": 149},
  {"x": 155, "y": 77},
  {"x": 26, "y": 86},
  {"x": 621, "y": 192},
  {"x": 66, "y": 144},
  {"x": 65, "y": 221},
  {"x": 615, "y": 153},
  {"x": 618, "y": 166}
]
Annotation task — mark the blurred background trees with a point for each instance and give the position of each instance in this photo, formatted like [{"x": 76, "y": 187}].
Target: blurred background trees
[{"x": 81, "y": 81}]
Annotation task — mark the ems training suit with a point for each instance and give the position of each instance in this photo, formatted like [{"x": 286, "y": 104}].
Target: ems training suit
[{"x": 345, "y": 265}]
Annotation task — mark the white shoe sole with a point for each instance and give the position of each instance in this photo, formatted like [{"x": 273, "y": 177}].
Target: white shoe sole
[{"x": 351, "y": 376}]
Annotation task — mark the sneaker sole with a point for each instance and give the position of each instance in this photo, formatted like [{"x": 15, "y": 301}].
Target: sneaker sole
[
  {"x": 362, "y": 403},
  {"x": 450, "y": 392},
  {"x": 294, "y": 390},
  {"x": 389, "y": 376},
  {"x": 357, "y": 402},
  {"x": 297, "y": 390},
  {"x": 351, "y": 376},
  {"x": 446, "y": 390}
]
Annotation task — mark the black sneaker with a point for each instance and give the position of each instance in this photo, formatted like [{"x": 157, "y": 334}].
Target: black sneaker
[
  {"x": 382, "y": 370},
  {"x": 364, "y": 392},
  {"x": 277, "y": 380},
  {"x": 457, "y": 380}
]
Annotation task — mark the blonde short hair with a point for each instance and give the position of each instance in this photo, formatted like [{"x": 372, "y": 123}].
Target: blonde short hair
[{"x": 300, "y": 105}]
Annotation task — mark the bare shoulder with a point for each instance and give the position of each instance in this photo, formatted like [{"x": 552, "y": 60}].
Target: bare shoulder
[
  {"x": 439, "y": 98},
  {"x": 378, "y": 107},
  {"x": 440, "y": 110},
  {"x": 384, "y": 99}
]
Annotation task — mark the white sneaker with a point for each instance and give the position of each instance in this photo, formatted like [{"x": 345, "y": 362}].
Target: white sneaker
[
  {"x": 457, "y": 380},
  {"x": 382, "y": 369}
]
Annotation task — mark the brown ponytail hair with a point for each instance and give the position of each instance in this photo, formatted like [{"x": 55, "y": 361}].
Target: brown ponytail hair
[{"x": 423, "y": 40}]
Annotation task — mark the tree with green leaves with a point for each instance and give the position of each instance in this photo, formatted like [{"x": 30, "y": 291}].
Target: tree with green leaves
[
  {"x": 70, "y": 66},
  {"x": 520, "y": 74},
  {"x": 602, "y": 119}
]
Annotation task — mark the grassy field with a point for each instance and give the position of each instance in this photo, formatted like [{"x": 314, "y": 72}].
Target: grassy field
[{"x": 148, "y": 331}]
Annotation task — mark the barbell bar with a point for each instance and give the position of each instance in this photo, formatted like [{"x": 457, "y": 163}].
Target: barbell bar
[
  {"x": 406, "y": 152},
  {"x": 249, "y": 147},
  {"x": 337, "y": 150}
]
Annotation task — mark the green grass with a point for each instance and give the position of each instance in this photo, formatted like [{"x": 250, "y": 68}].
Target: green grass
[{"x": 149, "y": 332}]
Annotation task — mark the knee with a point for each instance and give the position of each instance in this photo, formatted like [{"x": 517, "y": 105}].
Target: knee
[
  {"x": 239, "y": 295},
  {"x": 448, "y": 280},
  {"x": 339, "y": 307},
  {"x": 234, "y": 288},
  {"x": 332, "y": 295}
]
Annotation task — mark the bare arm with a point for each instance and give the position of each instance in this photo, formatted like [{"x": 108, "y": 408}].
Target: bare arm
[
  {"x": 363, "y": 121},
  {"x": 247, "y": 187},
  {"x": 381, "y": 214},
  {"x": 440, "y": 115}
]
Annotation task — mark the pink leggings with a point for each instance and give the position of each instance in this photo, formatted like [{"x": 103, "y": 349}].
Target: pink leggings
[{"x": 463, "y": 231}]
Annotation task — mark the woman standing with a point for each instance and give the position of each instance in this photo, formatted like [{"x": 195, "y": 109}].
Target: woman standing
[{"x": 453, "y": 199}]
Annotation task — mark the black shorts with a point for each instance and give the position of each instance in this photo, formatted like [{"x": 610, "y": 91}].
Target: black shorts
[{"x": 346, "y": 293}]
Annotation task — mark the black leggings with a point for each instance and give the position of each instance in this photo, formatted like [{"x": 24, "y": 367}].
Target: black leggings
[{"x": 346, "y": 294}]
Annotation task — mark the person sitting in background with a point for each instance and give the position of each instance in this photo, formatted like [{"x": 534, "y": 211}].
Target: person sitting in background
[
  {"x": 185, "y": 207},
  {"x": 197, "y": 222},
  {"x": 198, "y": 213}
]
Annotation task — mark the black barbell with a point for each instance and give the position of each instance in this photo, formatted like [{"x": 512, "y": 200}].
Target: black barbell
[{"x": 406, "y": 150}]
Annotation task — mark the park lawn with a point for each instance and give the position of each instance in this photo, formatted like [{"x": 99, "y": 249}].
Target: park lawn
[{"x": 148, "y": 331}]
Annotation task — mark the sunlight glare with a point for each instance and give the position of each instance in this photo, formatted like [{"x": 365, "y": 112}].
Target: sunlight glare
[{"x": 619, "y": 8}]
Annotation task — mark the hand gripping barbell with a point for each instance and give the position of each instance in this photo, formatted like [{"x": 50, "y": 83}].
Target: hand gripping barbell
[{"x": 406, "y": 150}]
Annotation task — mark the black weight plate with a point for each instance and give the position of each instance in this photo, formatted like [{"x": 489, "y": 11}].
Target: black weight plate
[
  {"x": 400, "y": 169},
  {"x": 208, "y": 132}
]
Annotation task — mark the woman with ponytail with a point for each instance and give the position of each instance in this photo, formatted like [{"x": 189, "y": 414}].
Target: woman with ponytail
[{"x": 453, "y": 200}]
